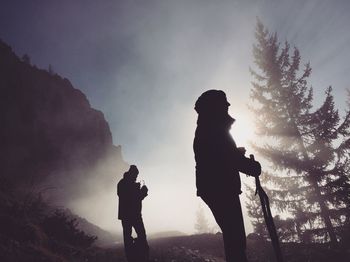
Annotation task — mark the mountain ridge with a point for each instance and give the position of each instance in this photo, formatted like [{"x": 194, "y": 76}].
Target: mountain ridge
[{"x": 50, "y": 132}]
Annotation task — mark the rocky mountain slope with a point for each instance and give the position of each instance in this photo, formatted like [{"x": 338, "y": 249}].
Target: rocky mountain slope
[
  {"x": 49, "y": 132},
  {"x": 55, "y": 148}
]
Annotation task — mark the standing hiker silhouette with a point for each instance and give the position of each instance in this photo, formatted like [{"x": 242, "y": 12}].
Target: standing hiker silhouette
[
  {"x": 218, "y": 163},
  {"x": 131, "y": 195}
]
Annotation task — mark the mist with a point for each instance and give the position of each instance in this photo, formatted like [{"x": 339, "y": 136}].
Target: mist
[{"x": 144, "y": 64}]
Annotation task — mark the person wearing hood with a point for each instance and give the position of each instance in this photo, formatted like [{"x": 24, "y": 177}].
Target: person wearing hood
[{"x": 218, "y": 163}]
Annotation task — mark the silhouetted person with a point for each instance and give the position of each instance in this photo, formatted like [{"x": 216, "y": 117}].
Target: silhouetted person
[
  {"x": 131, "y": 195},
  {"x": 218, "y": 163}
]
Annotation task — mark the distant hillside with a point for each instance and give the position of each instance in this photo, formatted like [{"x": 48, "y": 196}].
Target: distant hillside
[
  {"x": 50, "y": 134},
  {"x": 166, "y": 234}
]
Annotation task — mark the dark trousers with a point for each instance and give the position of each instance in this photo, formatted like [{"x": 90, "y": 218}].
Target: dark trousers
[
  {"x": 228, "y": 214},
  {"x": 135, "y": 250}
]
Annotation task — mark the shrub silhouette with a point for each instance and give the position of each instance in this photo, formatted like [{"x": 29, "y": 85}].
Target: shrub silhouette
[{"x": 60, "y": 227}]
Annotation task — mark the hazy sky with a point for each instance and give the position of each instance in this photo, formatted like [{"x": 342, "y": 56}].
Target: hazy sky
[{"x": 144, "y": 63}]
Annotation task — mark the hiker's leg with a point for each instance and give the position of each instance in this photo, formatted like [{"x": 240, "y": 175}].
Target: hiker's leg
[
  {"x": 228, "y": 214},
  {"x": 234, "y": 232},
  {"x": 128, "y": 240},
  {"x": 140, "y": 229},
  {"x": 141, "y": 237}
]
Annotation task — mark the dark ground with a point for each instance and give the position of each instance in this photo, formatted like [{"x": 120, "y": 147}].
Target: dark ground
[{"x": 209, "y": 248}]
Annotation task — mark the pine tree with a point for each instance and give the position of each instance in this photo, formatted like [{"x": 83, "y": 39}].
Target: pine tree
[
  {"x": 308, "y": 149},
  {"x": 201, "y": 225},
  {"x": 26, "y": 59},
  {"x": 255, "y": 212},
  {"x": 50, "y": 70}
]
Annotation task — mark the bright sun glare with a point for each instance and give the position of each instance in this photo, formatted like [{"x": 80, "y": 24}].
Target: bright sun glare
[{"x": 242, "y": 130}]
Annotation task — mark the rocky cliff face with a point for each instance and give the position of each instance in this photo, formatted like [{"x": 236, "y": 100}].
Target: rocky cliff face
[{"x": 49, "y": 133}]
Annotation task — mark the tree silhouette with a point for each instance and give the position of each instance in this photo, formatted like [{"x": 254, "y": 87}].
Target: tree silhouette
[
  {"x": 50, "y": 70},
  {"x": 255, "y": 212},
  {"x": 201, "y": 225},
  {"x": 308, "y": 149},
  {"x": 26, "y": 59}
]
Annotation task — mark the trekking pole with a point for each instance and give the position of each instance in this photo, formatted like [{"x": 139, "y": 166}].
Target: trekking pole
[{"x": 265, "y": 204}]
